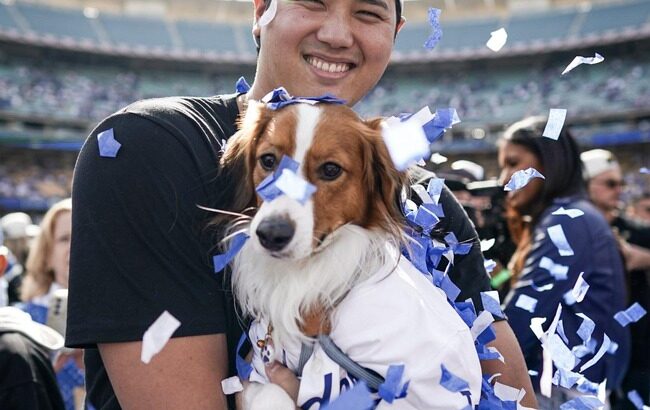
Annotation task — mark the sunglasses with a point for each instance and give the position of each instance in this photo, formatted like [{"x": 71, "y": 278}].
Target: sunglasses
[{"x": 613, "y": 183}]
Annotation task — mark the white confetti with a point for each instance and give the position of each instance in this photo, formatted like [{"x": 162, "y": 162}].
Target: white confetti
[
  {"x": 527, "y": 303},
  {"x": 487, "y": 244},
  {"x": 603, "y": 349},
  {"x": 231, "y": 385},
  {"x": 571, "y": 213},
  {"x": 556, "y": 233},
  {"x": 294, "y": 186},
  {"x": 597, "y": 58},
  {"x": 521, "y": 178},
  {"x": 556, "y": 118},
  {"x": 559, "y": 272},
  {"x": 482, "y": 322},
  {"x": 406, "y": 143},
  {"x": 157, "y": 335},
  {"x": 497, "y": 39},
  {"x": 438, "y": 158},
  {"x": 580, "y": 288}
]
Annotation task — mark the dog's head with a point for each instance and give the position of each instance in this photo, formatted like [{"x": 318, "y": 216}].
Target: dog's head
[{"x": 343, "y": 156}]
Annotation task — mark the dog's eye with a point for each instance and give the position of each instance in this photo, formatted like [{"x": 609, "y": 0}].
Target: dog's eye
[
  {"x": 267, "y": 161},
  {"x": 330, "y": 171}
]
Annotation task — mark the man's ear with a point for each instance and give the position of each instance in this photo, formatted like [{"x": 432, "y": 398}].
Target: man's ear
[
  {"x": 259, "y": 6},
  {"x": 400, "y": 25},
  {"x": 3, "y": 264}
]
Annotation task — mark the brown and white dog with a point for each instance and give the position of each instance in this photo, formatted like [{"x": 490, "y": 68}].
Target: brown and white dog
[{"x": 313, "y": 268}]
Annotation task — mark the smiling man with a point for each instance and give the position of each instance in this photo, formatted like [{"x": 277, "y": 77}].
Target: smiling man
[{"x": 139, "y": 242}]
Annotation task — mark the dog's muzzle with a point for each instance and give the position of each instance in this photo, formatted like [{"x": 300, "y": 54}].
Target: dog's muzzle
[{"x": 275, "y": 233}]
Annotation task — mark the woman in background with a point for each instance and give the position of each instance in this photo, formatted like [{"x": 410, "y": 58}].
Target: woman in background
[
  {"x": 47, "y": 275},
  {"x": 544, "y": 278}
]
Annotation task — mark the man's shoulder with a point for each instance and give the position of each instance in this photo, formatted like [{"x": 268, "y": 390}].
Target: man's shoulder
[{"x": 178, "y": 105}]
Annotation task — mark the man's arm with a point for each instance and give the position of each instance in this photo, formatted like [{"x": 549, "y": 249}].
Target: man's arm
[
  {"x": 186, "y": 374},
  {"x": 514, "y": 372}
]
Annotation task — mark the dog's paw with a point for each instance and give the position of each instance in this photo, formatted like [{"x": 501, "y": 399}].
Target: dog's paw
[{"x": 267, "y": 397}]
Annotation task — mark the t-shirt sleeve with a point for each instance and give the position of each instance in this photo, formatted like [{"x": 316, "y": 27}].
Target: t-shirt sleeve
[{"x": 140, "y": 245}]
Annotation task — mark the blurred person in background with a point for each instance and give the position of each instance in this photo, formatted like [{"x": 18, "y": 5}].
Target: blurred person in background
[
  {"x": 605, "y": 182},
  {"x": 639, "y": 207},
  {"x": 27, "y": 379},
  {"x": 19, "y": 232},
  {"x": 47, "y": 273},
  {"x": 139, "y": 233},
  {"x": 595, "y": 256}
]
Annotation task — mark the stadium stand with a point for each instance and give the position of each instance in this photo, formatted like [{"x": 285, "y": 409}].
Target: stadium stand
[{"x": 232, "y": 40}]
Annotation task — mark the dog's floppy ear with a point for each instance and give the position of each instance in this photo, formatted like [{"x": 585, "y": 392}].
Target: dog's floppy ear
[
  {"x": 238, "y": 160},
  {"x": 383, "y": 180}
]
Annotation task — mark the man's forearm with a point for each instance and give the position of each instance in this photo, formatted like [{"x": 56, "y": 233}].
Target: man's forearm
[{"x": 514, "y": 372}]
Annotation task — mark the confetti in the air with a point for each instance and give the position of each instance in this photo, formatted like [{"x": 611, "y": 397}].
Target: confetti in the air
[
  {"x": 578, "y": 60},
  {"x": 497, "y": 39},
  {"x": 521, "y": 178},
  {"x": 556, "y": 118}
]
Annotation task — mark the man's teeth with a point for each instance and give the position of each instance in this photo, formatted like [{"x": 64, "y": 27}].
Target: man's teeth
[{"x": 329, "y": 67}]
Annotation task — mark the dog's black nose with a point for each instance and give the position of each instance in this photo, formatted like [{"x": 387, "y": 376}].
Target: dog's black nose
[{"x": 275, "y": 233}]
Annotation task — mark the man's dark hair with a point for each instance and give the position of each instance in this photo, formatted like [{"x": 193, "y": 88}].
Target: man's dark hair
[{"x": 560, "y": 159}]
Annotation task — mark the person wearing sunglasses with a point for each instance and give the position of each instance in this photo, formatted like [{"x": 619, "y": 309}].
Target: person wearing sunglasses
[{"x": 605, "y": 185}]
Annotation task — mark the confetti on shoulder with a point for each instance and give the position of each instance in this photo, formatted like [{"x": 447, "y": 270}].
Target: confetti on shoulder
[{"x": 108, "y": 145}]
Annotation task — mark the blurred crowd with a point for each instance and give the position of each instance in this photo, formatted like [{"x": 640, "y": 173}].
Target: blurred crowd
[{"x": 92, "y": 92}]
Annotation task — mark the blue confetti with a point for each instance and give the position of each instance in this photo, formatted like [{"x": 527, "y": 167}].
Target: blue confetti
[
  {"x": 645, "y": 170},
  {"x": 280, "y": 98},
  {"x": 451, "y": 382},
  {"x": 444, "y": 119},
  {"x": 525, "y": 302},
  {"x": 242, "y": 86},
  {"x": 108, "y": 145},
  {"x": 451, "y": 290},
  {"x": 436, "y": 30},
  {"x": 491, "y": 303},
  {"x": 521, "y": 178},
  {"x": 582, "y": 403},
  {"x": 636, "y": 399},
  {"x": 221, "y": 260},
  {"x": 555, "y": 123},
  {"x": 434, "y": 188},
  {"x": 601, "y": 352},
  {"x": 244, "y": 368},
  {"x": 456, "y": 247},
  {"x": 630, "y": 315},
  {"x": 357, "y": 398},
  {"x": 426, "y": 219},
  {"x": 267, "y": 189},
  {"x": 586, "y": 328},
  {"x": 392, "y": 387}
]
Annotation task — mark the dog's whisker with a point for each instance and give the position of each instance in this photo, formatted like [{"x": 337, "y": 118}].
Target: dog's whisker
[
  {"x": 233, "y": 234},
  {"x": 222, "y": 211}
]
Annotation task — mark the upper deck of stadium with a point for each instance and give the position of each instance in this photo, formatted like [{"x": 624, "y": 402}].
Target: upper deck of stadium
[{"x": 177, "y": 37}]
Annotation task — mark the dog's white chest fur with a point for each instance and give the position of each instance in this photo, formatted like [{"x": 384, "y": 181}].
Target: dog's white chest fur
[{"x": 394, "y": 317}]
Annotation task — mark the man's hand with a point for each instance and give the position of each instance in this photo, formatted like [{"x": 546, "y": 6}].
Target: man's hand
[{"x": 186, "y": 374}]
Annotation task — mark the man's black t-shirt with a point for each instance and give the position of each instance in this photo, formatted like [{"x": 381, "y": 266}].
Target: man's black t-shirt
[
  {"x": 27, "y": 380},
  {"x": 140, "y": 245}
]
